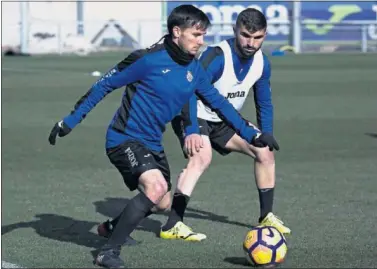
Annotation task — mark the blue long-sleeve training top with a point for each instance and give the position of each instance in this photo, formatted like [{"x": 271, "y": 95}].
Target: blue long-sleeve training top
[
  {"x": 213, "y": 62},
  {"x": 157, "y": 89}
]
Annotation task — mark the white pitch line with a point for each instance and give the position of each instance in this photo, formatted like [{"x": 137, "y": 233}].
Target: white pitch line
[{"x": 10, "y": 265}]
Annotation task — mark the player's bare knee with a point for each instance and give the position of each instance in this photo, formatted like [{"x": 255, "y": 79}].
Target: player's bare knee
[
  {"x": 160, "y": 187},
  {"x": 155, "y": 188},
  {"x": 200, "y": 162},
  {"x": 265, "y": 156}
]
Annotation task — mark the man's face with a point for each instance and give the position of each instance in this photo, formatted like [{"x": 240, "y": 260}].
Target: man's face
[
  {"x": 190, "y": 39},
  {"x": 249, "y": 43}
]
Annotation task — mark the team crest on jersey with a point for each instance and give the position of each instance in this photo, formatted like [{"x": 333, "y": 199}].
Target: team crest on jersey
[{"x": 189, "y": 76}]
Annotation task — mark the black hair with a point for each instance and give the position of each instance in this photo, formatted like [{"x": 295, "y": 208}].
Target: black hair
[
  {"x": 186, "y": 16},
  {"x": 252, "y": 19}
]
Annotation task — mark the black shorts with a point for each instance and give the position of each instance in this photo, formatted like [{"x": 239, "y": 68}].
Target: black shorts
[
  {"x": 132, "y": 159},
  {"x": 219, "y": 133}
]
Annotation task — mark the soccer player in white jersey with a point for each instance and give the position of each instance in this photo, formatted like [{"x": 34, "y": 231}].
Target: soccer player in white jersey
[{"x": 235, "y": 67}]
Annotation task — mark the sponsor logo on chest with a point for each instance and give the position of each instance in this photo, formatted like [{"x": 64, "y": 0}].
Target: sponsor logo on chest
[{"x": 236, "y": 94}]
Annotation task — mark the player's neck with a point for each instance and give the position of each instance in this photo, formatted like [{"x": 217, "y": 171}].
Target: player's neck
[{"x": 176, "y": 53}]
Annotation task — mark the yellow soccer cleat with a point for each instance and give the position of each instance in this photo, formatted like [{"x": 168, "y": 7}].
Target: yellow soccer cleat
[
  {"x": 182, "y": 231},
  {"x": 274, "y": 221}
]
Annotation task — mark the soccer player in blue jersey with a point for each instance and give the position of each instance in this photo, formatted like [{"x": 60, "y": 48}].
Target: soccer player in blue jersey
[
  {"x": 234, "y": 67},
  {"x": 159, "y": 82}
]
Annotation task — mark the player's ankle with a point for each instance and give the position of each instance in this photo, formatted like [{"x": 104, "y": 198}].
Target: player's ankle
[
  {"x": 262, "y": 217},
  {"x": 170, "y": 224}
]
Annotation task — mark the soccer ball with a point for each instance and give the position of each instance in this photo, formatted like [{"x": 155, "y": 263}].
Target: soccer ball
[{"x": 265, "y": 246}]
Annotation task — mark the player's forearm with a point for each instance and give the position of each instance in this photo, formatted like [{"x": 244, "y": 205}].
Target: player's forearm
[
  {"x": 233, "y": 118},
  {"x": 190, "y": 117},
  {"x": 265, "y": 117},
  {"x": 263, "y": 104},
  {"x": 230, "y": 115},
  {"x": 211, "y": 97}
]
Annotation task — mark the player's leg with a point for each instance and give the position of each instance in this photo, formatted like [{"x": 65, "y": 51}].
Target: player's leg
[
  {"x": 195, "y": 167},
  {"x": 197, "y": 164},
  {"x": 155, "y": 187},
  {"x": 143, "y": 171},
  {"x": 264, "y": 171},
  {"x": 117, "y": 157},
  {"x": 163, "y": 166},
  {"x": 105, "y": 228},
  {"x": 162, "y": 206}
]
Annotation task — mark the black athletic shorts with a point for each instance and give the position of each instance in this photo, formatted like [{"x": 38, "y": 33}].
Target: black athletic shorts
[
  {"x": 219, "y": 133},
  {"x": 132, "y": 159}
]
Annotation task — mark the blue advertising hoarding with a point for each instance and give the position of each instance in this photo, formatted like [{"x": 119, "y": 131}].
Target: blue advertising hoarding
[{"x": 225, "y": 12}]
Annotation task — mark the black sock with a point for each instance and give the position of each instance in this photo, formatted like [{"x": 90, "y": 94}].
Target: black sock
[
  {"x": 115, "y": 221},
  {"x": 266, "y": 199},
  {"x": 131, "y": 216},
  {"x": 177, "y": 211}
]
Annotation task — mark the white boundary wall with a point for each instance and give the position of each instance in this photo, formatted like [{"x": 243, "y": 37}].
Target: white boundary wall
[{"x": 45, "y": 16}]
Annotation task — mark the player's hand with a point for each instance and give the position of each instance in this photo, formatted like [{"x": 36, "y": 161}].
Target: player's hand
[
  {"x": 265, "y": 140},
  {"x": 193, "y": 144},
  {"x": 61, "y": 129}
]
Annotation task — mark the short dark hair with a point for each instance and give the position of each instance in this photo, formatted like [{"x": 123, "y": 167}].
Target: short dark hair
[
  {"x": 186, "y": 16},
  {"x": 252, "y": 19}
]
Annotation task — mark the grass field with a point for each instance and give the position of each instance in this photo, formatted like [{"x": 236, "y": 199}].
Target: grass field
[{"x": 325, "y": 122}]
